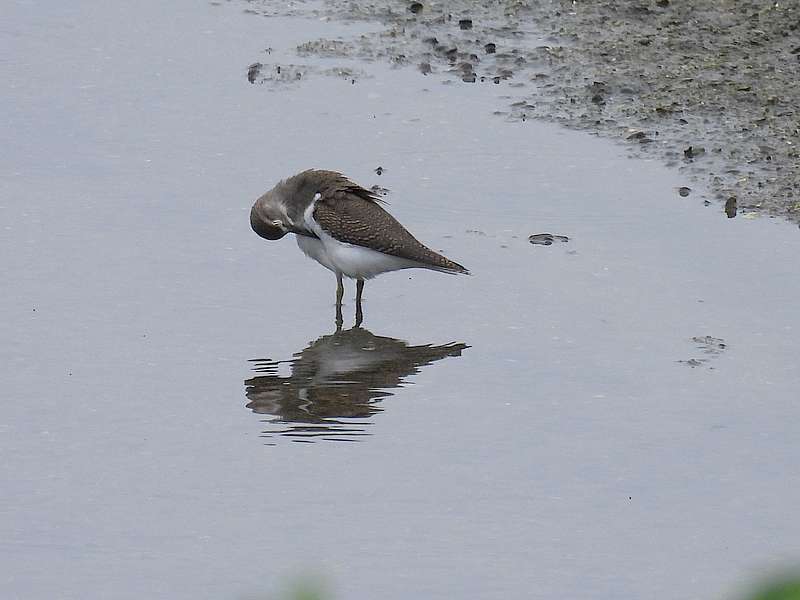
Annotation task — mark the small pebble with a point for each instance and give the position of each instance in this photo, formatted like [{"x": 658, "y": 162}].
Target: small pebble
[
  {"x": 253, "y": 71},
  {"x": 731, "y": 208},
  {"x": 546, "y": 239},
  {"x": 694, "y": 151}
]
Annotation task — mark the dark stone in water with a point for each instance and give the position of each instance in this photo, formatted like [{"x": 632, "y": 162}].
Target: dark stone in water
[
  {"x": 709, "y": 344},
  {"x": 415, "y": 7},
  {"x": 546, "y": 239},
  {"x": 693, "y": 152},
  {"x": 253, "y": 71},
  {"x": 469, "y": 78},
  {"x": 693, "y": 362},
  {"x": 684, "y": 191},
  {"x": 731, "y": 207},
  {"x": 379, "y": 171},
  {"x": 490, "y": 48},
  {"x": 465, "y": 24}
]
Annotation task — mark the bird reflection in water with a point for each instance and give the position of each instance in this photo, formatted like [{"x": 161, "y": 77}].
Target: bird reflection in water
[{"x": 336, "y": 384}]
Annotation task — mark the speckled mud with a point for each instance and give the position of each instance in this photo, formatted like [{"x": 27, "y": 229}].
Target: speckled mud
[{"x": 710, "y": 90}]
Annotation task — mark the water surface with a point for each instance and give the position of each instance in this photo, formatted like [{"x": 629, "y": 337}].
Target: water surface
[{"x": 571, "y": 450}]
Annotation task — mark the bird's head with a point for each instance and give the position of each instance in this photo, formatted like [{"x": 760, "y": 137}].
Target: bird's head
[{"x": 268, "y": 217}]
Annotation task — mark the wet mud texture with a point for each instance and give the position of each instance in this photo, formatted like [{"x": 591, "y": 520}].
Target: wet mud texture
[{"x": 708, "y": 87}]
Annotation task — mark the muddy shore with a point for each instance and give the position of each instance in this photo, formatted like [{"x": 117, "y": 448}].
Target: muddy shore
[{"x": 709, "y": 88}]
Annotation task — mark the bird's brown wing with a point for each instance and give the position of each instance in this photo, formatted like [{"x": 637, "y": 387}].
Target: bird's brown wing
[{"x": 353, "y": 219}]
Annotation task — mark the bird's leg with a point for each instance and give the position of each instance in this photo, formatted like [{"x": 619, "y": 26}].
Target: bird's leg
[
  {"x": 339, "y": 289},
  {"x": 339, "y": 296},
  {"x": 359, "y": 291}
]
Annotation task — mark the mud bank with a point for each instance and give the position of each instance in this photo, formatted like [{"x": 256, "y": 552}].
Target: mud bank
[{"x": 711, "y": 90}]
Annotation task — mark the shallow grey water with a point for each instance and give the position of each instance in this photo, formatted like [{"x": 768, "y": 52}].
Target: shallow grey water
[{"x": 568, "y": 451}]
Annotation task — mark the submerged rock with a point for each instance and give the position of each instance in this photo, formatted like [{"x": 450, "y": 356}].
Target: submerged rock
[
  {"x": 253, "y": 72},
  {"x": 546, "y": 239},
  {"x": 693, "y": 152},
  {"x": 731, "y": 208}
]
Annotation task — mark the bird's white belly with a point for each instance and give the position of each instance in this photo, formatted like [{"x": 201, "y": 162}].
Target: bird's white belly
[
  {"x": 313, "y": 248},
  {"x": 358, "y": 262},
  {"x": 351, "y": 261}
]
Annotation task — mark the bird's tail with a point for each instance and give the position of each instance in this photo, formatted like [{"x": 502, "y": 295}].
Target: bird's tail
[{"x": 445, "y": 265}]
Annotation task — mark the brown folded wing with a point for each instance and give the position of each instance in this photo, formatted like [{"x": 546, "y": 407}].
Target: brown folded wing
[{"x": 350, "y": 215}]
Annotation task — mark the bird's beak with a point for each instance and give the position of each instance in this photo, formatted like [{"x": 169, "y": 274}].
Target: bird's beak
[{"x": 269, "y": 230}]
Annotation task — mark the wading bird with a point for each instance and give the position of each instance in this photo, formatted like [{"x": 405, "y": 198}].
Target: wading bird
[{"x": 343, "y": 227}]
